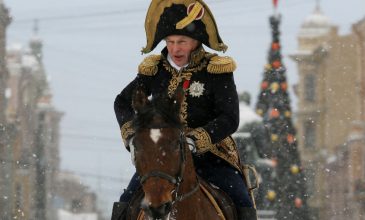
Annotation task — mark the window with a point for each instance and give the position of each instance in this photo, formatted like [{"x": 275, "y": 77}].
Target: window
[
  {"x": 310, "y": 88},
  {"x": 309, "y": 134}
]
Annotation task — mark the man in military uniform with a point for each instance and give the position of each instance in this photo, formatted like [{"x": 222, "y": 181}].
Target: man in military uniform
[{"x": 210, "y": 110}]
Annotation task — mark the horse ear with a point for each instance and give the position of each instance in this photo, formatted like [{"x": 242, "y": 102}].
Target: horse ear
[
  {"x": 139, "y": 99},
  {"x": 179, "y": 94}
]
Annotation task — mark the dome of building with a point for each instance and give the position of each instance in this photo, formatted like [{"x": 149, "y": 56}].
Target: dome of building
[
  {"x": 316, "y": 24},
  {"x": 317, "y": 19}
]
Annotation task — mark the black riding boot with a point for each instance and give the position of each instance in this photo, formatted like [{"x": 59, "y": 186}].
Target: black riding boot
[
  {"x": 119, "y": 211},
  {"x": 246, "y": 213}
]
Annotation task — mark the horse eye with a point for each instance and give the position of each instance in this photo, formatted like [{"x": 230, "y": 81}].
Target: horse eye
[
  {"x": 171, "y": 144},
  {"x": 176, "y": 144}
]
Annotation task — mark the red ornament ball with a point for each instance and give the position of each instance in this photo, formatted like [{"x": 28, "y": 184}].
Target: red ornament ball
[
  {"x": 275, "y": 46},
  {"x": 290, "y": 138},
  {"x": 274, "y": 113},
  {"x": 264, "y": 85},
  {"x": 298, "y": 202},
  {"x": 283, "y": 86},
  {"x": 276, "y": 64}
]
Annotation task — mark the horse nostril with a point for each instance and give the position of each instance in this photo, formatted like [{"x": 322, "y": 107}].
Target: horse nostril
[{"x": 161, "y": 211}]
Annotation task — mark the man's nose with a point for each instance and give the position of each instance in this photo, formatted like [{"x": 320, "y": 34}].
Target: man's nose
[{"x": 175, "y": 48}]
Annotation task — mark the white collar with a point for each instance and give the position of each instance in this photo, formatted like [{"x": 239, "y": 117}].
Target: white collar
[{"x": 173, "y": 64}]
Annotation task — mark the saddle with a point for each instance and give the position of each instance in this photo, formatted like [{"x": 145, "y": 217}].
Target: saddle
[
  {"x": 220, "y": 200},
  {"x": 224, "y": 202}
]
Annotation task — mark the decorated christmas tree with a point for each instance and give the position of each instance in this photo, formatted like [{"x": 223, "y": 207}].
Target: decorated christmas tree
[{"x": 286, "y": 191}]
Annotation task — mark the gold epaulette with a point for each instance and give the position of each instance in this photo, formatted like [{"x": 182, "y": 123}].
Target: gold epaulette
[
  {"x": 148, "y": 66},
  {"x": 218, "y": 64}
]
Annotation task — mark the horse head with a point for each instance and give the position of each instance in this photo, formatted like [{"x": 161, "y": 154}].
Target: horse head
[{"x": 158, "y": 150}]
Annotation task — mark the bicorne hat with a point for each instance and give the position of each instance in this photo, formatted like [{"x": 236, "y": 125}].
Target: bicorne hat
[{"x": 191, "y": 18}]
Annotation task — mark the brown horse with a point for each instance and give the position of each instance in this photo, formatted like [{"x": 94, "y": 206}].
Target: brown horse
[{"x": 164, "y": 162}]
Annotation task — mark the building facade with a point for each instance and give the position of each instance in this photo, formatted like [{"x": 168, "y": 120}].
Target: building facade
[
  {"x": 5, "y": 150},
  {"x": 331, "y": 99},
  {"x": 346, "y": 169},
  {"x": 34, "y": 142},
  {"x": 74, "y": 197}
]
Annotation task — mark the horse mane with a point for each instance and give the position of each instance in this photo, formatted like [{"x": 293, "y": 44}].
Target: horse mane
[{"x": 160, "y": 107}]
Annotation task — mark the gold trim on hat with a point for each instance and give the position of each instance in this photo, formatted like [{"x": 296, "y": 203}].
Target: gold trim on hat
[
  {"x": 212, "y": 30},
  {"x": 191, "y": 16},
  {"x": 157, "y": 8},
  {"x": 153, "y": 15}
]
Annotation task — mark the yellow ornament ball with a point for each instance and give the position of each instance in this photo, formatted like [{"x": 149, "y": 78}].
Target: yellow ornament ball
[
  {"x": 259, "y": 111},
  {"x": 274, "y": 87},
  {"x": 287, "y": 114},
  {"x": 274, "y": 137},
  {"x": 271, "y": 195},
  {"x": 294, "y": 169},
  {"x": 267, "y": 67}
]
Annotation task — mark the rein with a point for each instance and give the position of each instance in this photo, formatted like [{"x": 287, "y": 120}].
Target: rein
[{"x": 185, "y": 195}]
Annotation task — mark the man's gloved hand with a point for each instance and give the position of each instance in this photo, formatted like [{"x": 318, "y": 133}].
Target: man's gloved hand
[
  {"x": 130, "y": 146},
  {"x": 129, "y": 142},
  {"x": 191, "y": 144}
]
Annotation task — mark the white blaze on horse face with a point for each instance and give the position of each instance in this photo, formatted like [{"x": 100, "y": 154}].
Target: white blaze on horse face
[{"x": 155, "y": 135}]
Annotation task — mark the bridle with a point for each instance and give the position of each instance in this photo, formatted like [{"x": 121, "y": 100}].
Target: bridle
[{"x": 178, "y": 178}]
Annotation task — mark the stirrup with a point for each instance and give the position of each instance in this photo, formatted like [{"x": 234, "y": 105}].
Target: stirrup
[
  {"x": 119, "y": 211},
  {"x": 246, "y": 213}
]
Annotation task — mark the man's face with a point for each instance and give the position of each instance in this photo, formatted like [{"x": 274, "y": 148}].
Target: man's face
[{"x": 180, "y": 47}]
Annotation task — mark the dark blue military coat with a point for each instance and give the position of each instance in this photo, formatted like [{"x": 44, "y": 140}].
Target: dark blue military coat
[{"x": 210, "y": 110}]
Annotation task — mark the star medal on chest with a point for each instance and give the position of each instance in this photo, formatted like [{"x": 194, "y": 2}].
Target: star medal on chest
[{"x": 196, "y": 89}]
